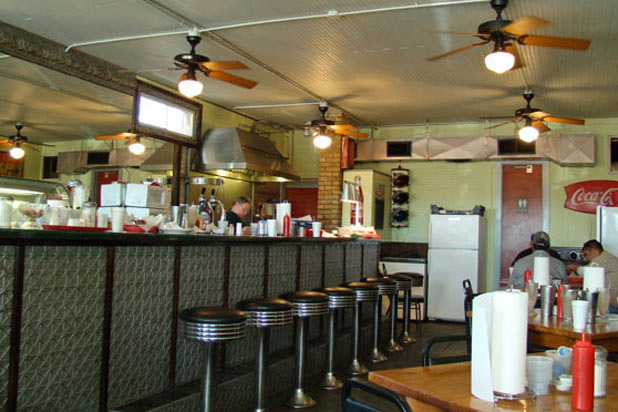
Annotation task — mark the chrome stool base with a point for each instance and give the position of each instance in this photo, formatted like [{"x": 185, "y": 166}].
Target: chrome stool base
[
  {"x": 300, "y": 399},
  {"x": 377, "y": 356},
  {"x": 331, "y": 382},
  {"x": 405, "y": 338},
  {"x": 393, "y": 346},
  {"x": 357, "y": 368}
]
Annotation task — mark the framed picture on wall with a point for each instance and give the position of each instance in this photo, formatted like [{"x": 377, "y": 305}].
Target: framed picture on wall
[{"x": 10, "y": 166}]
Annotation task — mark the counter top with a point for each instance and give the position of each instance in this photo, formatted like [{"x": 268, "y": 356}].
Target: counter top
[{"x": 19, "y": 236}]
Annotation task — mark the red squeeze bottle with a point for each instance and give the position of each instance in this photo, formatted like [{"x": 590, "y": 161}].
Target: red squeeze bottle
[
  {"x": 582, "y": 392},
  {"x": 559, "y": 301},
  {"x": 527, "y": 275},
  {"x": 286, "y": 225}
]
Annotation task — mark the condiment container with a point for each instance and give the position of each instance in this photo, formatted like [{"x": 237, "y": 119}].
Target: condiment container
[
  {"x": 582, "y": 393},
  {"x": 6, "y": 211},
  {"x": 600, "y": 371},
  {"x": 89, "y": 213}
]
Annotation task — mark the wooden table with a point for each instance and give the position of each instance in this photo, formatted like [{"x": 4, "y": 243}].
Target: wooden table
[
  {"x": 552, "y": 333},
  {"x": 447, "y": 387}
]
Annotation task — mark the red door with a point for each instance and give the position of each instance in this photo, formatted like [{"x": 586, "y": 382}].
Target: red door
[
  {"x": 522, "y": 210},
  {"x": 304, "y": 201},
  {"x": 105, "y": 178}
]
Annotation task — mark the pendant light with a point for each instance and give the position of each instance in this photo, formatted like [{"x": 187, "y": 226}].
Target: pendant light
[
  {"x": 322, "y": 140},
  {"x": 188, "y": 85},
  {"x": 528, "y": 133},
  {"x": 499, "y": 61},
  {"x": 136, "y": 147},
  {"x": 17, "y": 152}
]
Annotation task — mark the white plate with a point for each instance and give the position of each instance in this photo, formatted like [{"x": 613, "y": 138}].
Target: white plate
[{"x": 175, "y": 231}]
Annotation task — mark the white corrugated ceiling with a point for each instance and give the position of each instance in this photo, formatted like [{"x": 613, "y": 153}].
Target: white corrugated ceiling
[{"x": 372, "y": 65}]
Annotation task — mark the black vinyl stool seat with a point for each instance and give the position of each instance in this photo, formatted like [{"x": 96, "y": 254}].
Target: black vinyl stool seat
[
  {"x": 264, "y": 313},
  {"x": 338, "y": 298},
  {"x": 365, "y": 292},
  {"x": 402, "y": 283},
  {"x": 304, "y": 304},
  {"x": 211, "y": 325},
  {"x": 386, "y": 287}
]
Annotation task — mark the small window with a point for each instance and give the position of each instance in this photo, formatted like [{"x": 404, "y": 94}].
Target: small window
[
  {"x": 515, "y": 147},
  {"x": 399, "y": 149},
  {"x": 97, "y": 158},
  {"x": 155, "y": 112},
  {"x": 50, "y": 167}
]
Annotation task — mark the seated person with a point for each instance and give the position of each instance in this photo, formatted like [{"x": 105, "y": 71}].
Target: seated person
[
  {"x": 595, "y": 255},
  {"x": 540, "y": 247},
  {"x": 239, "y": 210},
  {"x": 529, "y": 251}
]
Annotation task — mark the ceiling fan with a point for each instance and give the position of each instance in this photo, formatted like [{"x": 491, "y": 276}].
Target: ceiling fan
[
  {"x": 323, "y": 126},
  {"x": 16, "y": 141},
  {"x": 188, "y": 84},
  {"x": 133, "y": 140},
  {"x": 504, "y": 34},
  {"x": 534, "y": 120}
]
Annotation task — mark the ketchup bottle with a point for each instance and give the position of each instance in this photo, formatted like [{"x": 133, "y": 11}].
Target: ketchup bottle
[
  {"x": 527, "y": 276},
  {"x": 286, "y": 225},
  {"x": 582, "y": 393}
]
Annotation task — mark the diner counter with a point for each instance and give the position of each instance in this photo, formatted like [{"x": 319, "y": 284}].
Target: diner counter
[{"x": 89, "y": 320}]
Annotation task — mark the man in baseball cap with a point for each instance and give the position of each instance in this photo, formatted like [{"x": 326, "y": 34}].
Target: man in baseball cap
[{"x": 540, "y": 246}]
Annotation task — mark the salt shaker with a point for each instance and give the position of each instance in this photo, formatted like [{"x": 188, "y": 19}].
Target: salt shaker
[
  {"x": 6, "y": 211},
  {"x": 600, "y": 371}
]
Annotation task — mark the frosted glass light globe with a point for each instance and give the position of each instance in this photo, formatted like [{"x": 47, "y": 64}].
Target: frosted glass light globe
[{"x": 499, "y": 61}]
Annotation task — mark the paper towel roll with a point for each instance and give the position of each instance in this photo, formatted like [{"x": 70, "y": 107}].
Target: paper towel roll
[
  {"x": 281, "y": 211},
  {"x": 509, "y": 334},
  {"x": 540, "y": 272},
  {"x": 594, "y": 277}
]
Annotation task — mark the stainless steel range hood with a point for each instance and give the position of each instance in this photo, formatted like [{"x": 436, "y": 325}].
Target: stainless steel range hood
[{"x": 241, "y": 151}]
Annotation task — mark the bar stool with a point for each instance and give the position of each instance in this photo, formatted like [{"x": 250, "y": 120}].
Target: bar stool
[
  {"x": 264, "y": 314},
  {"x": 385, "y": 287},
  {"x": 405, "y": 337},
  {"x": 210, "y": 325},
  {"x": 338, "y": 298},
  {"x": 305, "y": 304},
  {"x": 365, "y": 292},
  {"x": 402, "y": 284}
]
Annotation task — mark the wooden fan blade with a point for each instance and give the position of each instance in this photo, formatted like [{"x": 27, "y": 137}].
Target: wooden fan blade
[
  {"x": 118, "y": 136},
  {"x": 556, "y": 42},
  {"x": 501, "y": 124},
  {"x": 539, "y": 115},
  {"x": 460, "y": 33},
  {"x": 508, "y": 47},
  {"x": 469, "y": 46},
  {"x": 224, "y": 65},
  {"x": 3, "y": 141},
  {"x": 351, "y": 133},
  {"x": 343, "y": 126},
  {"x": 39, "y": 143},
  {"x": 540, "y": 126},
  {"x": 524, "y": 25},
  {"x": 230, "y": 78},
  {"x": 3, "y": 145},
  {"x": 29, "y": 146},
  {"x": 566, "y": 120}
]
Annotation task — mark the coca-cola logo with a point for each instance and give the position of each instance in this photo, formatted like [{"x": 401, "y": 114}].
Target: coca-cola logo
[{"x": 586, "y": 196}]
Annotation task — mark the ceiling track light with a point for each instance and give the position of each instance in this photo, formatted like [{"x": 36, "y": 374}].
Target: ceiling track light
[
  {"x": 528, "y": 133},
  {"x": 499, "y": 61},
  {"x": 188, "y": 85}
]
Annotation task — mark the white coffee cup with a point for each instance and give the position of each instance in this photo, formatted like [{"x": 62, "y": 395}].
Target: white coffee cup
[
  {"x": 580, "y": 314},
  {"x": 271, "y": 227},
  {"x": 316, "y": 228},
  {"x": 117, "y": 219},
  {"x": 238, "y": 231}
]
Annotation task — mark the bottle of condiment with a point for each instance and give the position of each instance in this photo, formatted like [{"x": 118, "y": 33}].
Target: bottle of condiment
[
  {"x": 527, "y": 275},
  {"x": 582, "y": 392},
  {"x": 600, "y": 371},
  {"x": 286, "y": 225}
]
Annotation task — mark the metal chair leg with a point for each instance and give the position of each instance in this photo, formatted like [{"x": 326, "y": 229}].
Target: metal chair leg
[
  {"x": 392, "y": 345},
  {"x": 300, "y": 398},
  {"x": 330, "y": 381},
  {"x": 207, "y": 379},
  {"x": 376, "y": 355},
  {"x": 356, "y": 367},
  {"x": 405, "y": 337}
]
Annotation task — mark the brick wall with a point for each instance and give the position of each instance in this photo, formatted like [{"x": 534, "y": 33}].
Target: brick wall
[{"x": 329, "y": 185}]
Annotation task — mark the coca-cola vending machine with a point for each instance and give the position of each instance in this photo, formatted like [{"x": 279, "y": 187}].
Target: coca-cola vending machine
[{"x": 607, "y": 228}]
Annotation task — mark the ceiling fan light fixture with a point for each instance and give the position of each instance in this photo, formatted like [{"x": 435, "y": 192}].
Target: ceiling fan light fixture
[
  {"x": 17, "y": 152},
  {"x": 136, "y": 147},
  {"x": 528, "y": 133},
  {"x": 499, "y": 61},
  {"x": 322, "y": 141},
  {"x": 188, "y": 85}
]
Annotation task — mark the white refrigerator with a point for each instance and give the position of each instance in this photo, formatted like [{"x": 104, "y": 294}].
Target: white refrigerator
[
  {"x": 455, "y": 254},
  {"x": 607, "y": 228}
]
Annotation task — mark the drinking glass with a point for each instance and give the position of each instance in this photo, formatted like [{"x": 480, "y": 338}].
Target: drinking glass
[
  {"x": 603, "y": 302},
  {"x": 532, "y": 289},
  {"x": 32, "y": 212}
]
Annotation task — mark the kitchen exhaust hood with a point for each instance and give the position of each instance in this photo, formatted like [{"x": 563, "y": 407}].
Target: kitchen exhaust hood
[{"x": 244, "y": 152}]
